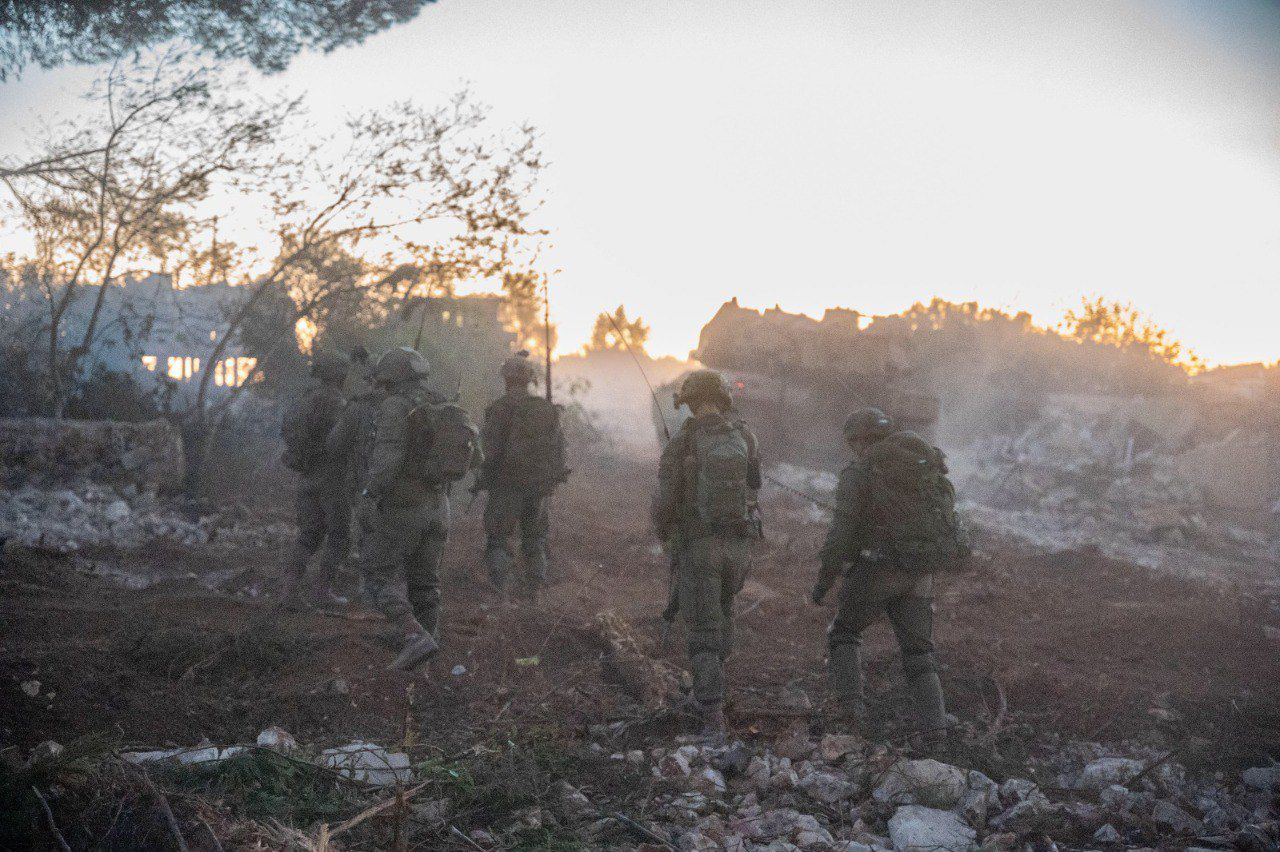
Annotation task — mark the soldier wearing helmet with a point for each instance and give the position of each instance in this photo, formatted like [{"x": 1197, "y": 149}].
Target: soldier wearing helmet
[
  {"x": 403, "y": 518},
  {"x": 705, "y": 509},
  {"x": 324, "y": 511},
  {"x": 878, "y": 578},
  {"x": 524, "y": 463}
]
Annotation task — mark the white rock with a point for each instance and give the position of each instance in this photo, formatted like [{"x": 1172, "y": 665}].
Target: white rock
[
  {"x": 1174, "y": 818},
  {"x": 913, "y": 828},
  {"x": 828, "y": 787},
  {"x": 1108, "y": 834},
  {"x": 709, "y": 781},
  {"x": 1105, "y": 771},
  {"x": 922, "y": 782},
  {"x": 117, "y": 511},
  {"x": 46, "y": 750},
  {"x": 277, "y": 739},
  {"x": 1016, "y": 789},
  {"x": 571, "y": 801},
  {"x": 1264, "y": 778},
  {"x": 369, "y": 763},
  {"x": 31, "y": 688},
  {"x": 832, "y": 747},
  {"x": 673, "y": 765}
]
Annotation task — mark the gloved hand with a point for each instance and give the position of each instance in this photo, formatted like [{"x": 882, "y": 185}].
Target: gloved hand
[{"x": 819, "y": 592}]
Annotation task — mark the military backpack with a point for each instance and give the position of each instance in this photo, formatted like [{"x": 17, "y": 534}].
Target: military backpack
[
  {"x": 533, "y": 456},
  {"x": 721, "y": 461},
  {"x": 305, "y": 429},
  {"x": 911, "y": 506},
  {"x": 442, "y": 443}
]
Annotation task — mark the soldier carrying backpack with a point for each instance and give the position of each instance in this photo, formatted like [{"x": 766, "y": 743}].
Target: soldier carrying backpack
[
  {"x": 421, "y": 447},
  {"x": 895, "y": 527},
  {"x": 524, "y": 462},
  {"x": 705, "y": 509},
  {"x": 324, "y": 510}
]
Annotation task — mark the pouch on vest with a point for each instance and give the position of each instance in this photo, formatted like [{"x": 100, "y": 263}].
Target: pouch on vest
[
  {"x": 533, "y": 457},
  {"x": 911, "y": 506},
  {"x": 442, "y": 443},
  {"x": 722, "y": 460}
]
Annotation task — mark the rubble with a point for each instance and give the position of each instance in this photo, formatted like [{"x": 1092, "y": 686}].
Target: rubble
[
  {"x": 368, "y": 763},
  {"x": 914, "y": 828},
  {"x": 145, "y": 456}
]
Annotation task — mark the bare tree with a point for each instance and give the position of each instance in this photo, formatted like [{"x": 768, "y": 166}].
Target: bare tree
[{"x": 128, "y": 183}]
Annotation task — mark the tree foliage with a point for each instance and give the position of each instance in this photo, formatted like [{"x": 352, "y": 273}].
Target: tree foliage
[
  {"x": 267, "y": 33},
  {"x": 1120, "y": 325},
  {"x": 615, "y": 331}
]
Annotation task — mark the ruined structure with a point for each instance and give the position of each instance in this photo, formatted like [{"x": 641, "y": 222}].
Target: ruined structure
[{"x": 784, "y": 365}]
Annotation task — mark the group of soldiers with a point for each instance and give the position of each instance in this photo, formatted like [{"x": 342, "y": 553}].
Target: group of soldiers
[
  {"x": 393, "y": 449},
  {"x": 382, "y": 461}
]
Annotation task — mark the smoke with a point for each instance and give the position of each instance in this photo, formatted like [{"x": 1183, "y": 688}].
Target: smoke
[{"x": 612, "y": 390}]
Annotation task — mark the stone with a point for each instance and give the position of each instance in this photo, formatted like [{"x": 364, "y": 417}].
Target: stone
[
  {"x": 925, "y": 782},
  {"x": 571, "y": 802},
  {"x": 116, "y": 512},
  {"x": 734, "y": 760},
  {"x": 1016, "y": 789},
  {"x": 1264, "y": 778},
  {"x": 1108, "y": 835},
  {"x": 1106, "y": 771},
  {"x": 827, "y": 787},
  {"x": 914, "y": 828},
  {"x": 1002, "y": 842},
  {"x": 1175, "y": 819},
  {"x": 1025, "y": 813},
  {"x": 31, "y": 688},
  {"x": 45, "y": 751},
  {"x": 673, "y": 765},
  {"x": 758, "y": 772},
  {"x": 832, "y": 747},
  {"x": 369, "y": 763},
  {"x": 277, "y": 739},
  {"x": 783, "y": 776},
  {"x": 1117, "y": 797},
  {"x": 708, "y": 781}
]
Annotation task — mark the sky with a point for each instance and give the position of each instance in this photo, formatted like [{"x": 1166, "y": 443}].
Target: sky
[{"x": 817, "y": 153}]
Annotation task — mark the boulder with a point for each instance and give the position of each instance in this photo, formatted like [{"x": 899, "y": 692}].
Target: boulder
[
  {"x": 1106, "y": 771},
  {"x": 1264, "y": 778},
  {"x": 1173, "y": 818},
  {"x": 369, "y": 763},
  {"x": 832, "y": 747},
  {"x": 922, "y": 782},
  {"x": 914, "y": 828}
]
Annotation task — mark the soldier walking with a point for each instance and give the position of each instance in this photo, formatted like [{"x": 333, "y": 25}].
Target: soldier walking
[
  {"x": 705, "y": 509},
  {"x": 524, "y": 462},
  {"x": 421, "y": 446},
  {"x": 895, "y": 527},
  {"x": 323, "y": 505}
]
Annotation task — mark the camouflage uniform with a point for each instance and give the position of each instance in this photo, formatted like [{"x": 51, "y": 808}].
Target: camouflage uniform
[
  {"x": 712, "y": 561},
  {"x": 404, "y": 522},
  {"x": 350, "y": 444},
  {"x": 518, "y": 488},
  {"x": 873, "y": 585},
  {"x": 322, "y": 501}
]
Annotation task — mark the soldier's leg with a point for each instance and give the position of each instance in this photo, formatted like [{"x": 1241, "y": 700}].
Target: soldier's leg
[
  {"x": 337, "y": 544},
  {"x": 311, "y": 532},
  {"x": 737, "y": 564},
  {"x": 422, "y": 570},
  {"x": 699, "y": 588},
  {"x": 859, "y": 607},
  {"x": 912, "y": 617},
  {"x": 501, "y": 514},
  {"x": 534, "y": 526},
  {"x": 391, "y": 534}
]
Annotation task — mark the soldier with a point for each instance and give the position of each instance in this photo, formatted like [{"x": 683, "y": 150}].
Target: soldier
[
  {"x": 351, "y": 441},
  {"x": 524, "y": 462},
  {"x": 420, "y": 448},
  {"x": 324, "y": 509},
  {"x": 894, "y": 528},
  {"x": 705, "y": 509}
]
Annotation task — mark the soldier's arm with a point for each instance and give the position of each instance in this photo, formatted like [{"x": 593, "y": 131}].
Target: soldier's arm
[
  {"x": 387, "y": 459},
  {"x": 493, "y": 439},
  {"x": 754, "y": 477},
  {"x": 342, "y": 438},
  {"x": 670, "y": 472},
  {"x": 842, "y": 542}
]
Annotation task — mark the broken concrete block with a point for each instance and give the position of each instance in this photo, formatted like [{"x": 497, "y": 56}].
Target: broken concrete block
[{"x": 914, "y": 828}]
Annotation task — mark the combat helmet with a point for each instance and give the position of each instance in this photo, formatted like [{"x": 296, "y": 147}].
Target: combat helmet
[
  {"x": 701, "y": 386},
  {"x": 329, "y": 366},
  {"x": 401, "y": 365},
  {"x": 518, "y": 369},
  {"x": 868, "y": 423}
]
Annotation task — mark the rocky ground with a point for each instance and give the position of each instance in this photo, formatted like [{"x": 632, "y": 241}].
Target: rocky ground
[{"x": 1101, "y": 703}]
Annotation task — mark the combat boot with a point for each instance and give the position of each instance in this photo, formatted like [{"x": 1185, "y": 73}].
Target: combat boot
[
  {"x": 844, "y": 679},
  {"x": 931, "y": 712},
  {"x": 713, "y": 725},
  {"x": 419, "y": 644}
]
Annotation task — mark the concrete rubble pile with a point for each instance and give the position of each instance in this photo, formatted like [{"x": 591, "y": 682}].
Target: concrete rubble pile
[
  {"x": 843, "y": 793},
  {"x": 75, "y": 486},
  {"x": 1080, "y": 477}
]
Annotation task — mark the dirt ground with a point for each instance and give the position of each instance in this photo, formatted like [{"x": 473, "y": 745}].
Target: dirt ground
[{"x": 1034, "y": 646}]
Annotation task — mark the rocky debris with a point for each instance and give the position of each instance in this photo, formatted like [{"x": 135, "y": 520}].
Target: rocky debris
[
  {"x": 85, "y": 515},
  {"x": 368, "y": 763},
  {"x": 277, "y": 739},
  {"x": 1107, "y": 771},
  {"x": 651, "y": 681},
  {"x": 923, "y": 782},
  {"x": 1264, "y": 778},
  {"x": 914, "y": 828},
  {"x": 146, "y": 456}
]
